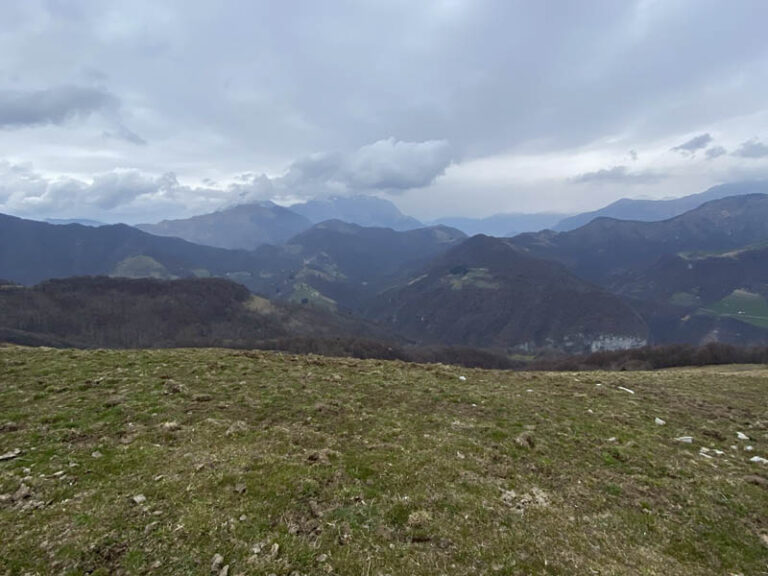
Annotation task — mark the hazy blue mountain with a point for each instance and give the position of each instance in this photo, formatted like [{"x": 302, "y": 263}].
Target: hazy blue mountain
[
  {"x": 32, "y": 251},
  {"x": 606, "y": 249},
  {"x": 360, "y": 210},
  {"x": 654, "y": 210},
  {"x": 241, "y": 227},
  {"x": 81, "y": 221},
  {"x": 502, "y": 225}
]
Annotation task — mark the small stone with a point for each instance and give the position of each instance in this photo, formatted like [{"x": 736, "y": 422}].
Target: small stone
[
  {"x": 139, "y": 499},
  {"x": 742, "y": 436},
  {"x": 463, "y": 378},
  {"x": 659, "y": 421},
  {"x": 243, "y": 518},
  {"x": 322, "y": 558},
  {"x": 171, "y": 426},
  {"x": 10, "y": 455},
  {"x": 758, "y": 460},
  {"x": 96, "y": 454},
  {"x": 156, "y": 564},
  {"x": 216, "y": 563},
  {"x": 749, "y": 448},
  {"x": 626, "y": 390},
  {"x": 612, "y": 439},
  {"x": 237, "y": 428},
  {"x": 22, "y": 493},
  {"x": 275, "y": 550},
  {"x": 757, "y": 481},
  {"x": 240, "y": 488},
  {"x": 685, "y": 439},
  {"x": 224, "y": 571},
  {"x": 419, "y": 518},
  {"x": 526, "y": 440}
]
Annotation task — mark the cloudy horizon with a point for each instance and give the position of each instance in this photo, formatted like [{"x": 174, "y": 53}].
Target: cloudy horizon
[{"x": 144, "y": 111}]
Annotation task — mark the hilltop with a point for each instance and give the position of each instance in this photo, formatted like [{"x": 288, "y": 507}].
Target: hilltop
[{"x": 156, "y": 461}]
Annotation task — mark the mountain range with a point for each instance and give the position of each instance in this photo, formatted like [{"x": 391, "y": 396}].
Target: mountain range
[
  {"x": 697, "y": 277},
  {"x": 653, "y": 210}
]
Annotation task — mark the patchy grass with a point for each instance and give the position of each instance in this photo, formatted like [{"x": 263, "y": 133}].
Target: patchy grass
[{"x": 306, "y": 465}]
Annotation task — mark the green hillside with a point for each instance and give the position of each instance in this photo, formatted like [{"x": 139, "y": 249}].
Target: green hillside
[
  {"x": 741, "y": 305},
  {"x": 140, "y": 462}
]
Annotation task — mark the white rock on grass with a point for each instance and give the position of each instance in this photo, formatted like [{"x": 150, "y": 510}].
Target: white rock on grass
[
  {"x": 463, "y": 378},
  {"x": 742, "y": 436},
  {"x": 659, "y": 421},
  {"x": 10, "y": 455},
  {"x": 685, "y": 439},
  {"x": 216, "y": 563},
  {"x": 626, "y": 389},
  {"x": 758, "y": 460}
]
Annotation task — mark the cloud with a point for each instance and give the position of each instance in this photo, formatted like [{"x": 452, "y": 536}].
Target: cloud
[
  {"x": 752, "y": 149},
  {"x": 696, "y": 143},
  {"x": 617, "y": 175},
  {"x": 715, "y": 152},
  {"x": 19, "y": 108},
  {"x": 389, "y": 166},
  {"x": 124, "y": 134}
]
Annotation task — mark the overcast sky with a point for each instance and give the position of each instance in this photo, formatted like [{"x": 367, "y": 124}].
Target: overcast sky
[{"x": 143, "y": 110}]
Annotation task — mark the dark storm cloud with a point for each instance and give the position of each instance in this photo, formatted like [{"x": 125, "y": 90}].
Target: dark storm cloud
[
  {"x": 752, "y": 149},
  {"x": 51, "y": 105},
  {"x": 618, "y": 175},
  {"x": 696, "y": 143}
]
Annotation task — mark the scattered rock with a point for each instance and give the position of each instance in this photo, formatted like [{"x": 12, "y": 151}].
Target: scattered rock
[
  {"x": 216, "y": 563},
  {"x": 659, "y": 421},
  {"x": 275, "y": 550},
  {"x": 685, "y": 439},
  {"x": 749, "y": 448},
  {"x": 237, "y": 428},
  {"x": 612, "y": 439},
  {"x": 322, "y": 456},
  {"x": 526, "y": 440},
  {"x": 240, "y": 488},
  {"x": 171, "y": 426},
  {"x": 9, "y": 427},
  {"x": 113, "y": 401},
  {"x": 322, "y": 558},
  {"x": 173, "y": 387},
  {"x": 756, "y": 480},
  {"x": 139, "y": 499},
  {"x": 419, "y": 519},
  {"x": 535, "y": 498},
  {"x": 626, "y": 389},
  {"x": 764, "y": 538},
  {"x": 463, "y": 378},
  {"x": 10, "y": 455},
  {"x": 224, "y": 571},
  {"x": 22, "y": 493},
  {"x": 96, "y": 454},
  {"x": 758, "y": 460},
  {"x": 742, "y": 436}
]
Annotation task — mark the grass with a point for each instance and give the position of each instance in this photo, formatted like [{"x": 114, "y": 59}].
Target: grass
[
  {"x": 741, "y": 305},
  {"x": 305, "y": 465}
]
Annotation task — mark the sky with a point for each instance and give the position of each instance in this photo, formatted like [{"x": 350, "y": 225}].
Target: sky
[{"x": 144, "y": 110}]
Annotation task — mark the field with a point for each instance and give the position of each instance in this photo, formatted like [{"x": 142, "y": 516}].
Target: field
[
  {"x": 139, "y": 462},
  {"x": 742, "y": 305}
]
